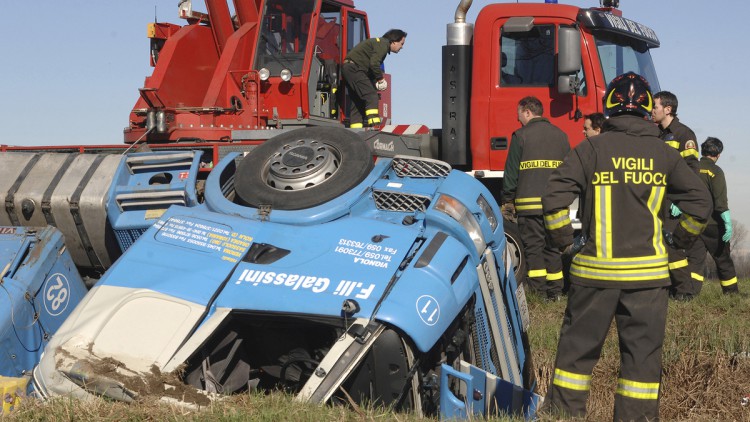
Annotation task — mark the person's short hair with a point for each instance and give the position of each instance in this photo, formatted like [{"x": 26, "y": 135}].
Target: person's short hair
[
  {"x": 667, "y": 99},
  {"x": 532, "y": 104},
  {"x": 597, "y": 120},
  {"x": 711, "y": 147},
  {"x": 394, "y": 35}
]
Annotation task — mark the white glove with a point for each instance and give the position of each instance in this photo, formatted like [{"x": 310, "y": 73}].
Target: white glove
[{"x": 381, "y": 85}]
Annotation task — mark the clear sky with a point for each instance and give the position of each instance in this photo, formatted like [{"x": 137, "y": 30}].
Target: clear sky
[{"x": 70, "y": 71}]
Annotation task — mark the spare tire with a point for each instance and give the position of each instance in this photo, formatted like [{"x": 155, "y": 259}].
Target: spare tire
[{"x": 302, "y": 168}]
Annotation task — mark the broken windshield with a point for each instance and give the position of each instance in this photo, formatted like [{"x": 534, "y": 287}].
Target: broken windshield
[{"x": 285, "y": 28}]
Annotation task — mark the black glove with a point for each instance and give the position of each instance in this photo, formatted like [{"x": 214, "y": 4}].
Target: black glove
[{"x": 578, "y": 243}]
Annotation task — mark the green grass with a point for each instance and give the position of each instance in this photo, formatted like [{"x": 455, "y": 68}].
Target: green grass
[{"x": 706, "y": 374}]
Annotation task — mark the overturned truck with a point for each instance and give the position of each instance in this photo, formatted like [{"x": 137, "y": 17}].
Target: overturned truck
[{"x": 305, "y": 266}]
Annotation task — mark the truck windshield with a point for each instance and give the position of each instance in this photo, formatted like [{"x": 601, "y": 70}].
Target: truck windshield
[
  {"x": 285, "y": 28},
  {"x": 618, "y": 57}
]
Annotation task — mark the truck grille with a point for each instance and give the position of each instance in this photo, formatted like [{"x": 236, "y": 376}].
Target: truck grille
[
  {"x": 405, "y": 166},
  {"x": 398, "y": 201},
  {"x": 127, "y": 237}
]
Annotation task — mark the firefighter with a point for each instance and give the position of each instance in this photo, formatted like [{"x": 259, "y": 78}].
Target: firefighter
[
  {"x": 681, "y": 138},
  {"x": 619, "y": 267},
  {"x": 718, "y": 232},
  {"x": 536, "y": 149},
  {"x": 363, "y": 73},
  {"x": 592, "y": 124}
]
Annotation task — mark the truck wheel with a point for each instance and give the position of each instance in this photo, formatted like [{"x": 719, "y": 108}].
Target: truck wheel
[
  {"x": 515, "y": 248},
  {"x": 302, "y": 168}
]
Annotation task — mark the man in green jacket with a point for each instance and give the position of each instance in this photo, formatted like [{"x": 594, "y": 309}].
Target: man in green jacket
[
  {"x": 718, "y": 231},
  {"x": 536, "y": 149},
  {"x": 363, "y": 73}
]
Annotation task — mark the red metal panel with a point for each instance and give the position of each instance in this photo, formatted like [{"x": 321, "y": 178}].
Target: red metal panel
[{"x": 221, "y": 22}]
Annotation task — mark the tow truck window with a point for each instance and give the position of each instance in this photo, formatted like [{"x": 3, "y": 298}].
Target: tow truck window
[
  {"x": 284, "y": 34},
  {"x": 528, "y": 58},
  {"x": 357, "y": 30},
  {"x": 617, "y": 56}
]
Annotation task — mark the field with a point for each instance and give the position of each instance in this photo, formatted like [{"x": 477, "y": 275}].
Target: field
[{"x": 706, "y": 375}]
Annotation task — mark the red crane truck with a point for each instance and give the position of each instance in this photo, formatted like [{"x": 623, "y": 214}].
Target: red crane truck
[{"x": 230, "y": 79}]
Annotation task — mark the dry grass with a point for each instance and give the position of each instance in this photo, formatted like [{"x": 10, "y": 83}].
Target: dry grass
[{"x": 706, "y": 359}]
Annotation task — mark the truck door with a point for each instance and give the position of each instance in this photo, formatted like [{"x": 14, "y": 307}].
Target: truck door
[
  {"x": 356, "y": 30},
  {"x": 523, "y": 63}
]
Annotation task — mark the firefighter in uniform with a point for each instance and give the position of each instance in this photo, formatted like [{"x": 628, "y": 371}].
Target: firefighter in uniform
[
  {"x": 718, "y": 232},
  {"x": 363, "y": 73},
  {"x": 619, "y": 268},
  {"x": 536, "y": 149},
  {"x": 681, "y": 138}
]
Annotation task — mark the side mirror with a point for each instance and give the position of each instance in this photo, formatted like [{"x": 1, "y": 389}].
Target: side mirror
[{"x": 569, "y": 51}]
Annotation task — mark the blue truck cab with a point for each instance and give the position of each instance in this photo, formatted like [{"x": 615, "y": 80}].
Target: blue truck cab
[{"x": 311, "y": 267}]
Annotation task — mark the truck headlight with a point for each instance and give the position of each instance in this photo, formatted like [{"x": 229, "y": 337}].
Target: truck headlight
[
  {"x": 264, "y": 74},
  {"x": 458, "y": 211},
  {"x": 487, "y": 211},
  {"x": 286, "y": 75}
]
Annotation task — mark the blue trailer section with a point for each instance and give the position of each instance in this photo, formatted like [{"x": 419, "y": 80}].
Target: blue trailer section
[
  {"x": 40, "y": 287},
  {"x": 367, "y": 293}
]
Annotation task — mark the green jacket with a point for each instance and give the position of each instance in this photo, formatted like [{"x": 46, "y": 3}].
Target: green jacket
[
  {"x": 681, "y": 138},
  {"x": 623, "y": 176},
  {"x": 713, "y": 176},
  {"x": 370, "y": 54},
  {"x": 535, "y": 151}
]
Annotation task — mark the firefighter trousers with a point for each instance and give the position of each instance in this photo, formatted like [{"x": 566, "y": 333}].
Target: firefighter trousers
[
  {"x": 640, "y": 315},
  {"x": 544, "y": 263},
  {"x": 364, "y": 96},
  {"x": 710, "y": 241},
  {"x": 683, "y": 285}
]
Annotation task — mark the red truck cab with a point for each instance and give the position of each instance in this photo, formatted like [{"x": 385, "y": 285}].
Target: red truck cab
[{"x": 542, "y": 50}]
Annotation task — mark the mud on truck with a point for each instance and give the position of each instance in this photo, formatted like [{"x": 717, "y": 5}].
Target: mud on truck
[{"x": 245, "y": 181}]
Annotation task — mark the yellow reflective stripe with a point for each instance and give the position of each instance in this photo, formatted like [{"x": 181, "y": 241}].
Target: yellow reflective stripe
[
  {"x": 373, "y": 120},
  {"x": 356, "y": 125},
  {"x": 619, "y": 275},
  {"x": 691, "y": 225},
  {"x": 678, "y": 264},
  {"x": 603, "y": 218},
  {"x": 636, "y": 262},
  {"x": 371, "y": 111},
  {"x": 529, "y": 203},
  {"x": 655, "y": 199},
  {"x": 708, "y": 172},
  {"x": 673, "y": 144},
  {"x": 539, "y": 164},
  {"x": 555, "y": 276},
  {"x": 571, "y": 380},
  {"x": 638, "y": 390},
  {"x": 528, "y": 207},
  {"x": 529, "y": 199},
  {"x": 537, "y": 273},
  {"x": 557, "y": 220},
  {"x": 692, "y": 152},
  {"x": 729, "y": 282},
  {"x": 696, "y": 277}
]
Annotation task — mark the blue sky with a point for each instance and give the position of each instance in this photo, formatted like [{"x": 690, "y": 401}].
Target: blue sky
[{"x": 70, "y": 71}]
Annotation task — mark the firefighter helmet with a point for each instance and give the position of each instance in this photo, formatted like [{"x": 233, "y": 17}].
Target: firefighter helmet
[
  {"x": 628, "y": 93},
  {"x": 712, "y": 147}
]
